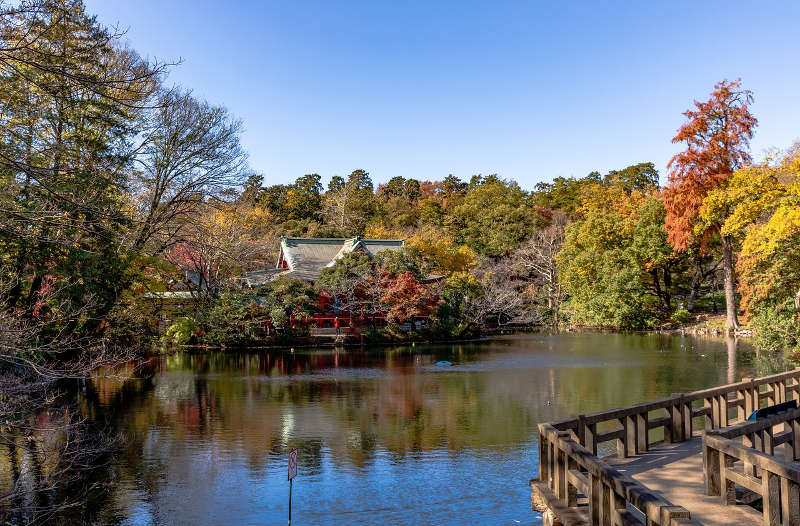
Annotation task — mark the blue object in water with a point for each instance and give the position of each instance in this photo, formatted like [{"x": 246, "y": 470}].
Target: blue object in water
[
  {"x": 772, "y": 410},
  {"x": 444, "y": 363}
]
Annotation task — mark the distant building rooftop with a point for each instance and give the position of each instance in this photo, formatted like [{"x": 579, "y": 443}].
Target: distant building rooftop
[{"x": 305, "y": 258}]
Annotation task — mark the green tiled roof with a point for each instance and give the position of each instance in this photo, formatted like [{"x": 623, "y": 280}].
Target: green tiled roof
[{"x": 307, "y": 257}]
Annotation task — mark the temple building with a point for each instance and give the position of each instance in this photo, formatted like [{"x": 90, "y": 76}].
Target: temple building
[{"x": 305, "y": 258}]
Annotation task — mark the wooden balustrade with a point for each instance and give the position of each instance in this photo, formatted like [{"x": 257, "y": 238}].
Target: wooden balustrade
[
  {"x": 574, "y": 473},
  {"x": 675, "y": 417},
  {"x": 775, "y": 480},
  {"x": 570, "y": 470}
]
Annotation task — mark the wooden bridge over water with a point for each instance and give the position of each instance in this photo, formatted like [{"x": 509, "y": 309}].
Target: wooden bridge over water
[{"x": 692, "y": 458}]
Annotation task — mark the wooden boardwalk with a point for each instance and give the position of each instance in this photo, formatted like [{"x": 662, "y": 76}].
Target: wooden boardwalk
[
  {"x": 675, "y": 472},
  {"x": 692, "y": 458}
]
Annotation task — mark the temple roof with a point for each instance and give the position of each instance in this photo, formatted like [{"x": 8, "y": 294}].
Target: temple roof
[{"x": 306, "y": 258}]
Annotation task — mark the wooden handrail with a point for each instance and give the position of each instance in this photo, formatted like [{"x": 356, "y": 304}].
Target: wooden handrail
[
  {"x": 570, "y": 469},
  {"x": 748, "y": 427},
  {"x": 633, "y": 423},
  {"x": 776, "y": 480}
]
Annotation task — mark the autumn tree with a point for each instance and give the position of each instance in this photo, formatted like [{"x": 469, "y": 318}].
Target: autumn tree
[
  {"x": 223, "y": 241},
  {"x": 616, "y": 263},
  {"x": 717, "y": 136},
  {"x": 405, "y": 298},
  {"x": 70, "y": 95},
  {"x": 762, "y": 209},
  {"x": 440, "y": 253}
]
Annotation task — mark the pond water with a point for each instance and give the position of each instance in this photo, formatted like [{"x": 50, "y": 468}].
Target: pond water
[{"x": 384, "y": 435}]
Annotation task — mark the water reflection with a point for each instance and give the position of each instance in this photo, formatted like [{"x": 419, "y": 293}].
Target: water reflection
[{"x": 383, "y": 435}]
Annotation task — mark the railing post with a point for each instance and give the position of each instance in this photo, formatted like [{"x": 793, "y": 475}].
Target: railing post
[
  {"x": 676, "y": 415},
  {"x": 642, "y": 433},
  {"x": 572, "y": 491},
  {"x": 622, "y": 443},
  {"x": 595, "y": 498},
  {"x": 723, "y": 410},
  {"x": 688, "y": 424},
  {"x": 708, "y": 418},
  {"x": 741, "y": 397},
  {"x": 619, "y": 503},
  {"x": 766, "y": 441},
  {"x": 770, "y": 493},
  {"x": 590, "y": 435},
  {"x": 561, "y": 467},
  {"x": 607, "y": 509},
  {"x": 668, "y": 433},
  {"x": 727, "y": 488},
  {"x": 631, "y": 435},
  {"x": 544, "y": 446},
  {"x": 749, "y": 469},
  {"x": 747, "y": 395},
  {"x": 790, "y": 501},
  {"x": 795, "y": 439},
  {"x": 581, "y": 430},
  {"x": 711, "y": 469}
]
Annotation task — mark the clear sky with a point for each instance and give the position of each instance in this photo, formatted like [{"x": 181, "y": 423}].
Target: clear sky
[{"x": 528, "y": 90}]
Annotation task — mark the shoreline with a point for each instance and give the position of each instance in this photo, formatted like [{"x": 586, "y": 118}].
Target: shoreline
[{"x": 305, "y": 342}]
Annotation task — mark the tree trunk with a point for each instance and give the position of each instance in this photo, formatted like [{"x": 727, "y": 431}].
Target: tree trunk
[
  {"x": 731, "y": 320},
  {"x": 797, "y": 302},
  {"x": 697, "y": 276},
  {"x": 662, "y": 295}
]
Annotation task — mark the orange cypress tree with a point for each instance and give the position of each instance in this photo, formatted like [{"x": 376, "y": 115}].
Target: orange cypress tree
[{"x": 717, "y": 136}]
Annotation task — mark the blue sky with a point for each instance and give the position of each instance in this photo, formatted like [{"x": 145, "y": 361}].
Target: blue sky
[{"x": 528, "y": 90}]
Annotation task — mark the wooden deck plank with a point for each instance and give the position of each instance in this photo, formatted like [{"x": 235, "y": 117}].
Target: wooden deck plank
[{"x": 675, "y": 471}]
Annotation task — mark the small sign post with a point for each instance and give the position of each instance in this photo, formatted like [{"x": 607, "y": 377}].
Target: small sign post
[{"x": 292, "y": 475}]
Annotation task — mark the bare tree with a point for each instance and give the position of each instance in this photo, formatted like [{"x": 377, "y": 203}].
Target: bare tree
[
  {"x": 223, "y": 240},
  {"x": 538, "y": 257},
  {"x": 506, "y": 299},
  {"x": 190, "y": 153},
  {"x": 347, "y": 206}
]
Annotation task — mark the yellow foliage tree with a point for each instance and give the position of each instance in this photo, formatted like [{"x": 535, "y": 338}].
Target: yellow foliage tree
[
  {"x": 762, "y": 204},
  {"x": 441, "y": 251}
]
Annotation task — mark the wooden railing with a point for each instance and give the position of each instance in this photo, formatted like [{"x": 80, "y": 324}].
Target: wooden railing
[
  {"x": 568, "y": 461},
  {"x": 675, "y": 417},
  {"x": 330, "y": 332},
  {"x": 775, "y": 480},
  {"x": 572, "y": 472}
]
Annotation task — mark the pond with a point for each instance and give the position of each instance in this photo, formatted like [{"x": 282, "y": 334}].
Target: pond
[{"x": 384, "y": 435}]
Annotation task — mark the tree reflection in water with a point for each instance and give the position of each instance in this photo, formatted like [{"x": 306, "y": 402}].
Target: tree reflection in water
[{"x": 383, "y": 435}]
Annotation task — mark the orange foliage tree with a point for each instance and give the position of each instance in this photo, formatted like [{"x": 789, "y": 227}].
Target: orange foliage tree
[
  {"x": 404, "y": 298},
  {"x": 717, "y": 136}
]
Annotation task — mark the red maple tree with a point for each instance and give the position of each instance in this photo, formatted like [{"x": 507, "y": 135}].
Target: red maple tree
[
  {"x": 404, "y": 298},
  {"x": 717, "y": 136}
]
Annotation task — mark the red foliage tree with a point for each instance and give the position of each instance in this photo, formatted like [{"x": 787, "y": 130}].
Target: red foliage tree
[
  {"x": 717, "y": 136},
  {"x": 404, "y": 298}
]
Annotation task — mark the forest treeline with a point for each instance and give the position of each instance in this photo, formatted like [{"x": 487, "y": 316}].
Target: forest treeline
[{"x": 116, "y": 183}]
